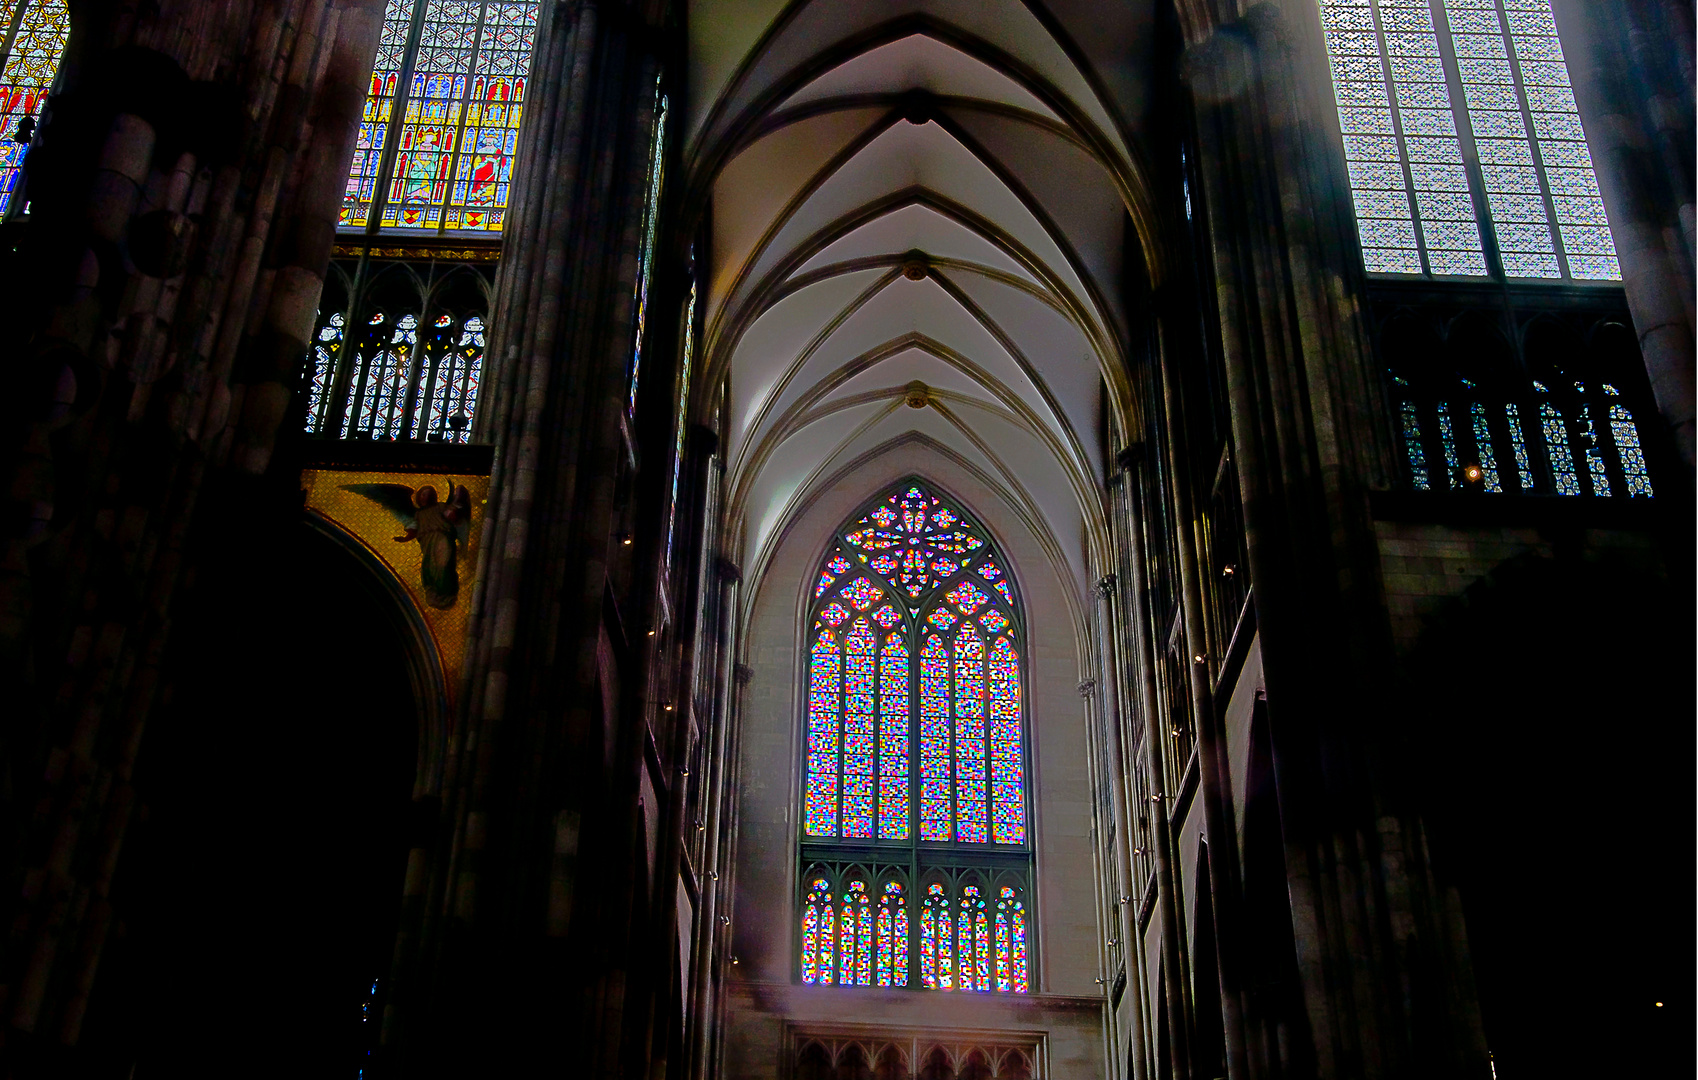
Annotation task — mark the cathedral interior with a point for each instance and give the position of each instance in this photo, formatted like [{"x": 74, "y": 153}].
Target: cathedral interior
[{"x": 847, "y": 539}]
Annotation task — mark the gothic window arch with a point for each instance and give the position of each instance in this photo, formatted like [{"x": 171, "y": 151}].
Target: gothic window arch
[
  {"x": 32, "y": 42},
  {"x": 438, "y": 141},
  {"x": 915, "y": 750},
  {"x": 1465, "y": 149}
]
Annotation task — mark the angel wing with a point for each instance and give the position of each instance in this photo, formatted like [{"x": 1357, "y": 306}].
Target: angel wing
[{"x": 395, "y": 498}]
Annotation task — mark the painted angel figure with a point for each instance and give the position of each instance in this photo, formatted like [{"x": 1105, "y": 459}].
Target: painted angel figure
[{"x": 439, "y": 528}]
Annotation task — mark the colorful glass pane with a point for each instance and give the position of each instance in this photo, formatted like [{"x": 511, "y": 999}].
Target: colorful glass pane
[
  {"x": 970, "y": 765},
  {"x": 681, "y": 420},
  {"x": 937, "y": 967},
  {"x": 1626, "y": 435},
  {"x": 31, "y": 65},
  {"x": 1008, "y": 768},
  {"x": 1518, "y": 444},
  {"x": 887, "y": 616},
  {"x": 834, "y": 614},
  {"x": 973, "y": 941},
  {"x": 1561, "y": 457},
  {"x": 375, "y": 408},
  {"x": 862, "y": 593},
  {"x": 457, "y": 135},
  {"x": 858, "y": 731},
  {"x": 893, "y": 740},
  {"x": 1011, "y": 965},
  {"x": 825, "y": 687},
  {"x": 968, "y": 597},
  {"x": 914, "y": 541},
  {"x": 892, "y": 943},
  {"x": 1412, "y": 446},
  {"x": 855, "y": 937},
  {"x": 935, "y": 793},
  {"x": 1483, "y": 444},
  {"x": 819, "y": 928},
  {"x": 994, "y": 621},
  {"x": 942, "y": 618}
]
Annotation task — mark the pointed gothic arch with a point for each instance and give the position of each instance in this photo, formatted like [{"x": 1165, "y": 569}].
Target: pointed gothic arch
[{"x": 915, "y": 751}]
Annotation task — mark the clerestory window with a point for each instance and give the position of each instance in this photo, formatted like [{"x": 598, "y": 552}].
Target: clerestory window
[
  {"x": 1466, "y": 153},
  {"x": 915, "y": 846},
  {"x": 32, "y": 42},
  {"x": 438, "y": 141}
]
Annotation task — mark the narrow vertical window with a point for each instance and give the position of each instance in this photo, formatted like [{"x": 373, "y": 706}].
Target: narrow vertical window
[
  {"x": 645, "y": 254},
  {"x": 327, "y": 343},
  {"x": 893, "y": 733},
  {"x": 855, "y": 937},
  {"x": 1483, "y": 445},
  {"x": 970, "y": 737},
  {"x": 1008, "y": 772},
  {"x": 937, "y": 936},
  {"x": 860, "y": 651},
  {"x": 1626, "y": 435},
  {"x": 892, "y": 944},
  {"x": 33, "y": 42},
  {"x": 1011, "y": 965},
  {"x": 825, "y": 699},
  {"x": 973, "y": 942},
  {"x": 935, "y": 793},
  {"x": 682, "y": 418},
  {"x": 819, "y": 933},
  {"x": 1562, "y": 458}
]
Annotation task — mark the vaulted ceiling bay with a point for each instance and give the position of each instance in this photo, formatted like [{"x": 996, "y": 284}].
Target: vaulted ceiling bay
[{"x": 920, "y": 214}]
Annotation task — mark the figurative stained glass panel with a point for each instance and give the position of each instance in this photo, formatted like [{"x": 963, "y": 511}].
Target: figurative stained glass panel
[
  {"x": 361, "y": 193},
  {"x": 459, "y": 69},
  {"x": 31, "y": 53}
]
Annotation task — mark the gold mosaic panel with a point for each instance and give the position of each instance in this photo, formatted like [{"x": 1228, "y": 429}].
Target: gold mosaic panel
[{"x": 363, "y": 513}]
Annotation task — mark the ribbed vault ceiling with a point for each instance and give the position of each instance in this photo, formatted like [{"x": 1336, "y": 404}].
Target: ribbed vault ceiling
[{"x": 910, "y": 193}]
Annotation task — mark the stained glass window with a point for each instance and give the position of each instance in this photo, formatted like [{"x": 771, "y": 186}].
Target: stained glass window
[
  {"x": 915, "y": 706},
  {"x": 444, "y": 160},
  {"x": 1406, "y": 135},
  {"x": 645, "y": 260},
  {"x": 409, "y": 378},
  {"x": 682, "y": 417},
  {"x": 33, "y": 42}
]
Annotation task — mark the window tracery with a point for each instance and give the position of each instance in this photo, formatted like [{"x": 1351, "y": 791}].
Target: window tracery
[
  {"x": 33, "y": 34},
  {"x": 915, "y": 742},
  {"x": 1462, "y": 137}
]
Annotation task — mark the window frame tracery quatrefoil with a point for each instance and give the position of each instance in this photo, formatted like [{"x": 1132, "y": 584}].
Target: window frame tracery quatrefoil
[{"x": 914, "y": 733}]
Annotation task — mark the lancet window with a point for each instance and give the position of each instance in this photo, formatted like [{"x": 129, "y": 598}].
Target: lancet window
[
  {"x": 438, "y": 141},
  {"x": 32, "y": 42},
  {"x": 915, "y": 749},
  {"x": 1465, "y": 149}
]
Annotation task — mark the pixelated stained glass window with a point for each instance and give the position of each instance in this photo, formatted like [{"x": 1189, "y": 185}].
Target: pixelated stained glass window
[
  {"x": 438, "y": 141},
  {"x": 914, "y": 729},
  {"x": 33, "y": 42},
  {"x": 1463, "y": 140}
]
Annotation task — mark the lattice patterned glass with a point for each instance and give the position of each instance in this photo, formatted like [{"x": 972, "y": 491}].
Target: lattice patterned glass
[
  {"x": 1514, "y": 75},
  {"x": 457, "y": 135},
  {"x": 1402, "y": 145},
  {"x": 1626, "y": 435},
  {"x": 1411, "y": 418},
  {"x": 1561, "y": 457},
  {"x": 375, "y": 407},
  {"x": 327, "y": 343},
  {"x": 1483, "y": 443},
  {"x": 1400, "y": 138},
  {"x": 31, "y": 53},
  {"x": 449, "y": 391}
]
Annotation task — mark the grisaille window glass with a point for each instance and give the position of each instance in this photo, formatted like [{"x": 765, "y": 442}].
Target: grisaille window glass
[
  {"x": 1421, "y": 82},
  {"x": 437, "y": 143},
  {"x": 915, "y": 756}
]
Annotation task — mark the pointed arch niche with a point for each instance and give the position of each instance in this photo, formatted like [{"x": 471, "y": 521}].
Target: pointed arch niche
[{"x": 914, "y": 755}]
